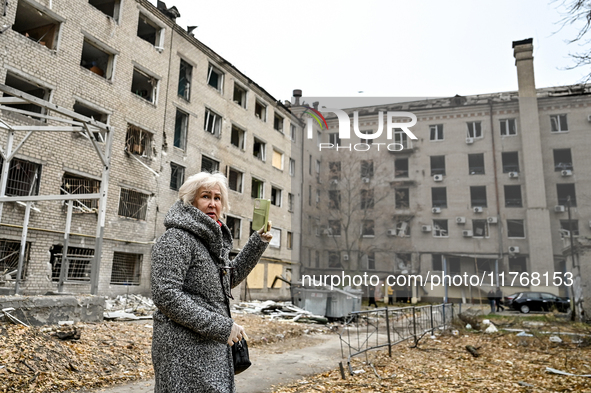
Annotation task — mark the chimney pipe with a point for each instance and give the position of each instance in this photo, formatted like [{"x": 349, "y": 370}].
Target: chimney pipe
[
  {"x": 297, "y": 93},
  {"x": 524, "y": 61}
]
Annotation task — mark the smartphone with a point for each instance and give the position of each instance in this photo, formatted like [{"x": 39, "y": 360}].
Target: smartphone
[{"x": 260, "y": 215}]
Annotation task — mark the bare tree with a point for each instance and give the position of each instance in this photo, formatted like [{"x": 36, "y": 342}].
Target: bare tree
[{"x": 578, "y": 12}]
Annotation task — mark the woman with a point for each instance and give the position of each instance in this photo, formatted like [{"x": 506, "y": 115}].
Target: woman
[{"x": 192, "y": 329}]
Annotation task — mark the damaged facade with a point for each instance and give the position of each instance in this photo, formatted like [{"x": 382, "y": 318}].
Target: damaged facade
[
  {"x": 484, "y": 190},
  {"x": 176, "y": 108}
]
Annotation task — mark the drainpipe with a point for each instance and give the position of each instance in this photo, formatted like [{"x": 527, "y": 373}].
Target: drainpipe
[{"x": 499, "y": 224}]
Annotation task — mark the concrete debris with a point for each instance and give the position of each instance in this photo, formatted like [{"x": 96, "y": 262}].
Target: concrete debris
[
  {"x": 129, "y": 307},
  {"x": 555, "y": 339},
  {"x": 275, "y": 310},
  {"x": 524, "y": 334},
  {"x": 555, "y": 371},
  {"x": 491, "y": 329}
]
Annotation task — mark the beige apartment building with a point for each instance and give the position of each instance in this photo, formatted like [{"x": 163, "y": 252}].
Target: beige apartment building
[
  {"x": 485, "y": 190},
  {"x": 174, "y": 108}
]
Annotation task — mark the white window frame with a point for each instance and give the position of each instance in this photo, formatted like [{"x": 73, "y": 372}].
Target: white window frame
[
  {"x": 244, "y": 95},
  {"x": 473, "y": 132},
  {"x": 211, "y": 116},
  {"x": 291, "y": 167},
  {"x": 555, "y": 119},
  {"x": 438, "y": 129},
  {"x": 159, "y": 42},
  {"x": 265, "y": 111},
  {"x": 211, "y": 69},
  {"x": 438, "y": 232},
  {"x": 507, "y": 123},
  {"x": 278, "y": 194},
  {"x": 263, "y": 149},
  {"x": 241, "y": 190}
]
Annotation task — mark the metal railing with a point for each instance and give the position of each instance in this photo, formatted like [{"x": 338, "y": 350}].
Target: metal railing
[{"x": 368, "y": 330}]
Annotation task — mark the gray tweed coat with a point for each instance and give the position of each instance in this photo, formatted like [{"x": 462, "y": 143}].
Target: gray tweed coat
[{"x": 191, "y": 326}]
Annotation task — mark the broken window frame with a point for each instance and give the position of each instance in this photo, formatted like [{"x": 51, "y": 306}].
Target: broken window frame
[
  {"x": 218, "y": 82},
  {"x": 440, "y": 228},
  {"x": 116, "y": 14},
  {"x": 24, "y": 177},
  {"x": 480, "y": 224},
  {"x": 260, "y": 110},
  {"x": 436, "y": 132},
  {"x": 133, "y": 204},
  {"x": 439, "y": 197},
  {"x": 400, "y": 169},
  {"x": 566, "y": 226},
  {"x": 237, "y": 137},
  {"x": 558, "y": 123},
  {"x": 235, "y": 180},
  {"x": 508, "y": 127},
  {"x": 437, "y": 165},
  {"x": 138, "y": 141},
  {"x": 96, "y": 114},
  {"x": 513, "y": 196},
  {"x": 76, "y": 184},
  {"x": 41, "y": 32},
  {"x": 276, "y": 196},
  {"x": 257, "y": 188},
  {"x": 334, "y": 199},
  {"x": 259, "y": 148},
  {"x": 334, "y": 227},
  {"x": 402, "y": 228},
  {"x": 239, "y": 95},
  {"x": 235, "y": 225},
  {"x": 474, "y": 130},
  {"x": 510, "y": 161},
  {"x": 9, "y": 257},
  {"x": 181, "y": 130},
  {"x": 177, "y": 176},
  {"x": 278, "y": 122},
  {"x": 563, "y": 159},
  {"x": 158, "y": 31},
  {"x": 515, "y": 229},
  {"x": 478, "y": 197},
  {"x": 212, "y": 123},
  {"x": 126, "y": 268},
  {"x": 28, "y": 86},
  {"x": 108, "y": 67},
  {"x": 209, "y": 164},
  {"x": 367, "y": 199},
  {"x": 368, "y": 228},
  {"x": 185, "y": 76},
  {"x": 402, "y": 198},
  {"x": 79, "y": 263},
  {"x": 563, "y": 191},
  {"x": 150, "y": 95}
]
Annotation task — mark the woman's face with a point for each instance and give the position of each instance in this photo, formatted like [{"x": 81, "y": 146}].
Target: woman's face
[{"x": 209, "y": 201}]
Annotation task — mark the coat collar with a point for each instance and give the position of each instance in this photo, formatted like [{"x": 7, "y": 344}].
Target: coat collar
[{"x": 217, "y": 239}]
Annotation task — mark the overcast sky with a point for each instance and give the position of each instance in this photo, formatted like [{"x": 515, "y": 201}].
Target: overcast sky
[{"x": 383, "y": 47}]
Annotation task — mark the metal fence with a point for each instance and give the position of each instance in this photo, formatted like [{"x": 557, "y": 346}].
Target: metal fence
[{"x": 385, "y": 327}]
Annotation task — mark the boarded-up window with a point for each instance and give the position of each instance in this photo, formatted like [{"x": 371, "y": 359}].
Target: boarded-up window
[{"x": 277, "y": 159}]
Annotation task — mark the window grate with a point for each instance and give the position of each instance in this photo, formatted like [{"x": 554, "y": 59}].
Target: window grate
[
  {"x": 72, "y": 184},
  {"x": 9, "y": 255},
  {"x": 79, "y": 263},
  {"x": 133, "y": 204},
  {"x": 23, "y": 178},
  {"x": 137, "y": 141},
  {"x": 127, "y": 268}
]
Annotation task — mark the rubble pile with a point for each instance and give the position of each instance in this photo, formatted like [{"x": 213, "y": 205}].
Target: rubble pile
[
  {"x": 278, "y": 310},
  {"x": 129, "y": 307}
]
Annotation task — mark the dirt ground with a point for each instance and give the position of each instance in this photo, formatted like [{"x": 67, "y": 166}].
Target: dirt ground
[
  {"x": 35, "y": 360},
  {"x": 506, "y": 363}
]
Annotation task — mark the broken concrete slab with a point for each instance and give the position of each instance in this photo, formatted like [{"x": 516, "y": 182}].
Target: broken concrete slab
[{"x": 49, "y": 310}]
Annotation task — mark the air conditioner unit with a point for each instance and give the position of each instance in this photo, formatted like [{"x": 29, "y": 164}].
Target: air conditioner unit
[
  {"x": 467, "y": 233},
  {"x": 469, "y": 141},
  {"x": 391, "y": 232},
  {"x": 345, "y": 257},
  {"x": 402, "y": 229},
  {"x": 514, "y": 250},
  {"x": 438, "y": 178},
  {"x": 559, "y": 209},
  {"x": 426, "y": 228},
  {"x": 513, "y": 175},
  {"x": 461, "y": 220},
  {"x": 566, "y": 172},
  {"x": 492, "y": 220},
  {"x": 365, "y": 179},
  {"x": 327, "y": 232},
  {"x": 477, "y": 209},
  {"x": 436, "y": 210},
  {"x": 334, "y": 181}
]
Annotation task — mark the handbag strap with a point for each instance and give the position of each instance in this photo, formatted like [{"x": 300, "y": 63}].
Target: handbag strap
[{"x": 223, "y": 272}]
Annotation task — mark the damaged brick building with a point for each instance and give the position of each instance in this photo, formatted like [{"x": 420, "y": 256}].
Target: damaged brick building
[{"x": 174, "y": 106}]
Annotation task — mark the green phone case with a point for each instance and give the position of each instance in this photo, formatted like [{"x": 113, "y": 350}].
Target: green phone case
[{"x": 260, "y": 215}]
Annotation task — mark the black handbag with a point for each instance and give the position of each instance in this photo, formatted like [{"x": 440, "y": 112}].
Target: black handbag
[{"x": 239, "y": 349}]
